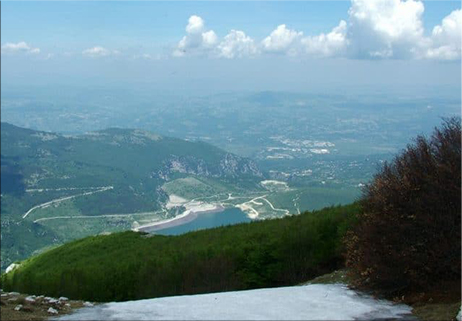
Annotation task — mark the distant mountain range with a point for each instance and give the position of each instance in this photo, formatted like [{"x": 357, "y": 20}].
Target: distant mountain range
[{"x": 104, "y": 172}]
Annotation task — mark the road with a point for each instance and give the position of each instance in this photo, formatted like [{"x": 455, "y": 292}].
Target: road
[{"x": 58, "y": 200}]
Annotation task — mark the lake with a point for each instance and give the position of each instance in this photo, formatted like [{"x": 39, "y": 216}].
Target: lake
[{"x": 229, "y": 216}]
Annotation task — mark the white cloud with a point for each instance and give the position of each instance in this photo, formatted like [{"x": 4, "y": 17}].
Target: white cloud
[
  {"x": 375, "y": 29},
  {"x": 385, "y": 28},
  {"x": 195, "y": 25},
  {"x": 446, "y": 38},
  {"x": 22, "y": 46},
  {"x": 237, "y": 45},
  {"x": 282, "y": 40},
  {"x": 99, "y": 51},
  {"x": 197, "y": 40},
  {"x": 209, "y": 39},
  {"x": 326, "y": 45}
]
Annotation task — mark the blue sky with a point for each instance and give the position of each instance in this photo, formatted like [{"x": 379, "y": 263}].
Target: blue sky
[
  {"x": 333, "y": 41},
  {"x": 77, "y": 25}
]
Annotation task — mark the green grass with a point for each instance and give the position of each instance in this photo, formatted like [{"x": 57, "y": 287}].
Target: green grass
[{"x": 128, "y": 265}]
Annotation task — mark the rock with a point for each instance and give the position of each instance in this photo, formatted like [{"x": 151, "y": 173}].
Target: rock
[
  {"x": 459, "y": 315},
  {"x": 52, "y": 311},
  {"x": 30, "y": 299},
  {"x": 4, "y": 295},
  {"x": 18, "y": 307},
  {"x": 12, "y": 299},
  {"x": 68, "y": 305},
  {"x": 13, "y": 293},
  {"x": 52, "y": 301},
  {"x": 63, "y": 298},
  {"x": 88, "y": 304}
]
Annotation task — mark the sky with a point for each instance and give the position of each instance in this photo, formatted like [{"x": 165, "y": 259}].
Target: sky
[{"x": 215, "y": 46}]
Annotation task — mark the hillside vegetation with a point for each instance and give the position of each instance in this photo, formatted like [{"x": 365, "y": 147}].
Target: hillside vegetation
[
  {"x": 408, "y": 236},
  {"x": 113, "y": 171},
  {"x": 129, "y": 265}
]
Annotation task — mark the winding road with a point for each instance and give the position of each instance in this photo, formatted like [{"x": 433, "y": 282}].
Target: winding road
[{"x": 58, "y": 200}]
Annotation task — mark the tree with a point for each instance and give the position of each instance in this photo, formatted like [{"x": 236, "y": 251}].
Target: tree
[{"x": 408, "y": 235}]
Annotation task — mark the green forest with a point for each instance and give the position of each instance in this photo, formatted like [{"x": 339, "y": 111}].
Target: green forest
[{"x": 129, "y": 265}]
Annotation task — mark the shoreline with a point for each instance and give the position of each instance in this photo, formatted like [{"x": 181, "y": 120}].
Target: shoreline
[{"x": 185, "y": 217}]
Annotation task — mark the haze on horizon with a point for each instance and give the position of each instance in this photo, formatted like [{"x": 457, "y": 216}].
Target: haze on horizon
[{"x": 212, "y": 47}]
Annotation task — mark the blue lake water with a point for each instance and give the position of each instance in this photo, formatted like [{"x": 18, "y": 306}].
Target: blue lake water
[{"x": 229, "y": 216}]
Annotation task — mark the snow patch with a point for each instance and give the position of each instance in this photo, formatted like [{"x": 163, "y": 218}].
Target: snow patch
[{"x": 310, "y": 302}]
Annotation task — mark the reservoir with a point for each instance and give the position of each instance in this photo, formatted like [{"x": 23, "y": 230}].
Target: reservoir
[{"x": 228, "y": 216}]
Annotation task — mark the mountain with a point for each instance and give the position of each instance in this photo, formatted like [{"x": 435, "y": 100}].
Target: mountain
[{"x": 52, "y": 183}]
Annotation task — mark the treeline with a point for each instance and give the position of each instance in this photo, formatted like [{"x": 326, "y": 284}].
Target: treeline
[{"x": 129, "y": 265}]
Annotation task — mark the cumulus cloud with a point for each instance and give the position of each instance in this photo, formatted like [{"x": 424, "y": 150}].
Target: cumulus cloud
[
  {"x": 385, "y": 28},
  {"x": 195, "y": 25},
  {"x": 327, "y": 45},
  {"x": 291, "y": 42},
  {"x": 446, "y": 38},
  {"x": 237, "y": 44},
  {"x": 22, "y": 46},
  {"x": 375, "y": 29},
  {"x": 197, "y": 39},
  {"x": 282, "y": 40}
]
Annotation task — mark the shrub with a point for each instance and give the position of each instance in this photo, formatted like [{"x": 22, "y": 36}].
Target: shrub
[{"x": 408, "y": 232}]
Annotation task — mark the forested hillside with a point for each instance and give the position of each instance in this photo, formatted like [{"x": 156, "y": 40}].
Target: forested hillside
[
  {"x": 52, "y": 183},
  {"x": 128, "y": 265}
]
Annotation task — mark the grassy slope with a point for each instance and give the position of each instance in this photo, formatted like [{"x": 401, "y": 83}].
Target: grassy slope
[{"x": 130, "y": 265}]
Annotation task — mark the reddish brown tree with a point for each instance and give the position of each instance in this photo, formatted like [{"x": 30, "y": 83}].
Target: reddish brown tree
[{"x": 408, "y": 235}]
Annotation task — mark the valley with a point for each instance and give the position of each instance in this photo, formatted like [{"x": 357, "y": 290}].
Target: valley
[
  {"x": 54, "y": 192},
  {"x": 68, "y": 182}
]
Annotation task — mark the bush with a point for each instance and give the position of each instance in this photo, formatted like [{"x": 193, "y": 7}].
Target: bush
[{"x": 408, "y": 232}]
